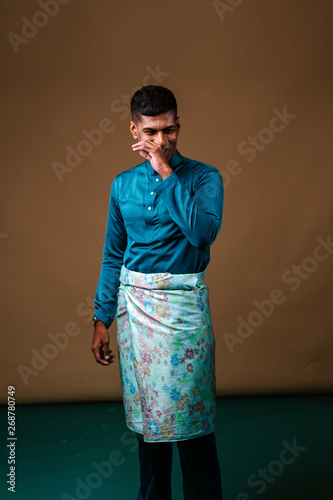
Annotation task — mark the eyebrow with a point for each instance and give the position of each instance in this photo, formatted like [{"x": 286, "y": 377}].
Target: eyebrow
[{"x": 149, "y": 129}]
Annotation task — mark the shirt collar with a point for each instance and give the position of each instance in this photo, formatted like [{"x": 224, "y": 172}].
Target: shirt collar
[{"x": 173, "y": 162}]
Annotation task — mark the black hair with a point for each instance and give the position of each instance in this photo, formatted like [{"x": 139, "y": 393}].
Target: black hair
[{"x": 152, "y": 100}]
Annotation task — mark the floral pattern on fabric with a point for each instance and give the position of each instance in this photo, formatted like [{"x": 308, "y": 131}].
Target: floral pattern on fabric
[{"x": 166, "y": 349}]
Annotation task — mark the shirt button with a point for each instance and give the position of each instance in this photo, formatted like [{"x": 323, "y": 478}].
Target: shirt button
[
  {"x": 152, "y": 192},
  {"x": 157, "y": 180},
  {"x": 149, "y": 208}
]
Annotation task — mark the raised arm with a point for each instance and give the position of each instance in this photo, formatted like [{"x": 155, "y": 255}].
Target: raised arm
[{"x": 200, "y": 216}]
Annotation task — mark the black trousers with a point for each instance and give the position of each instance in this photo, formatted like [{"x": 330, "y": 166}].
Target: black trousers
[{"x": 199, "y": 463}]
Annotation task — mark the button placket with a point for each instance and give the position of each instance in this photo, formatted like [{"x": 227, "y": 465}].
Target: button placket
[{"x": 150, "y": 200}]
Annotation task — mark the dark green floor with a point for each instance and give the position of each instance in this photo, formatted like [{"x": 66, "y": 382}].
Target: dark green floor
[{"x": 62, "y": 447}]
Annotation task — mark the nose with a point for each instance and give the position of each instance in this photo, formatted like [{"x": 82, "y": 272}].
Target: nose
[{"x": 159, "y": 138}]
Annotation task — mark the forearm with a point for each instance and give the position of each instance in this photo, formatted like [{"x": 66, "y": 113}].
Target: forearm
[
  {"x": 199, "y": 217},
  {"x": 106, "y": 298},
  {"x": 113, "y": 253}
]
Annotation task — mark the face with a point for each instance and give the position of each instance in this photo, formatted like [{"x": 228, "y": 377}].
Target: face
[{"x": 162, "y": 129}]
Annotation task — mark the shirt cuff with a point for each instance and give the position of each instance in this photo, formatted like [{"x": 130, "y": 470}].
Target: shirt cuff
[{"x": 103, "y": 318}]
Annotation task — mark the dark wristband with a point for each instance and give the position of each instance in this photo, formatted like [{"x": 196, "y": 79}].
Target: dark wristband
[{"x": 95, "y": 320}]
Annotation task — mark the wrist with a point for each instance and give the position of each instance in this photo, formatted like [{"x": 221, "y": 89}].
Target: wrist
[
  {"x": 97, "y": 322},
  {"x": 166, "y": 172}
]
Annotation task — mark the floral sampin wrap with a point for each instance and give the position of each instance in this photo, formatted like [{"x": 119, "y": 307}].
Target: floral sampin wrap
[{"x": 166, "y": 349}]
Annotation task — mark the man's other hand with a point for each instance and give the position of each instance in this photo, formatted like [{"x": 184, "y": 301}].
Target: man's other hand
[{"x": 100, "y": 346}]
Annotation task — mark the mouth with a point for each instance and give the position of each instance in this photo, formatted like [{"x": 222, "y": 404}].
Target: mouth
[{"x": 165, "y": 151}]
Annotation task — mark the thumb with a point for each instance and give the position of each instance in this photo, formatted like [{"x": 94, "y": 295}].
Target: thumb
[
  {"x": 145, "y": 155},
  {"x": 106, "y": 349}
]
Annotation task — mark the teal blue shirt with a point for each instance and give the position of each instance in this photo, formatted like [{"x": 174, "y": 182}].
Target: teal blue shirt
[{"x": 157, "y": 226}]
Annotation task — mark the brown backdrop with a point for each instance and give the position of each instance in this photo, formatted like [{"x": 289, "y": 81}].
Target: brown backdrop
[{"x": 254, "y": 85}]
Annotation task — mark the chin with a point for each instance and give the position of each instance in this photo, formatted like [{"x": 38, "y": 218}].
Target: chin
[{"x": 169, "y": 155}]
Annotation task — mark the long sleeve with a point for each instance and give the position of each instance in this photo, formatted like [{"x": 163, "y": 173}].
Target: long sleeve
[
  {"x": 113, "y": 252},
  {"x": 199, "y": 217}
]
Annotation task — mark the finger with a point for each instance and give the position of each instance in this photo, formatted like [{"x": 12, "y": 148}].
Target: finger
[
  {"x": 106, "y": 349},
  {"x": 143, "y": 152},
  {"x": 109, "y": 356},
  {"x": 139, "y": 148},
  {"x": 99, "y": 358},
  {"x": 99, "y": 355},
  {"x": 145, "y": 155},
  {"x": 143, "y": 145}
]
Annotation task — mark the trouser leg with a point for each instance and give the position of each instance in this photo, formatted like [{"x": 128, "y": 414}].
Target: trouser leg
[
  {"x": 200, "y": 467},
  {"x": 155, "y": 470}
]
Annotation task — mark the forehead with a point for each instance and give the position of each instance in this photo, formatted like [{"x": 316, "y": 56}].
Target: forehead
[{"x": 161, "y": 121}]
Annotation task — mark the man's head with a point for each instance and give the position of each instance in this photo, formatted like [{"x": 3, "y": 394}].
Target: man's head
[
  {"x": 152, "y": 100},
  {"x": 154, "y": 118}
]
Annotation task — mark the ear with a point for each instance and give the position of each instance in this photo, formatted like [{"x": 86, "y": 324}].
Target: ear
[
  {"x": 178, "y": 125},
  {"x": 133, "y": 130}
]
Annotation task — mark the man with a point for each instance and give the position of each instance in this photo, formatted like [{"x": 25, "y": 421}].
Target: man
[{"x": 164, "y": 215}]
